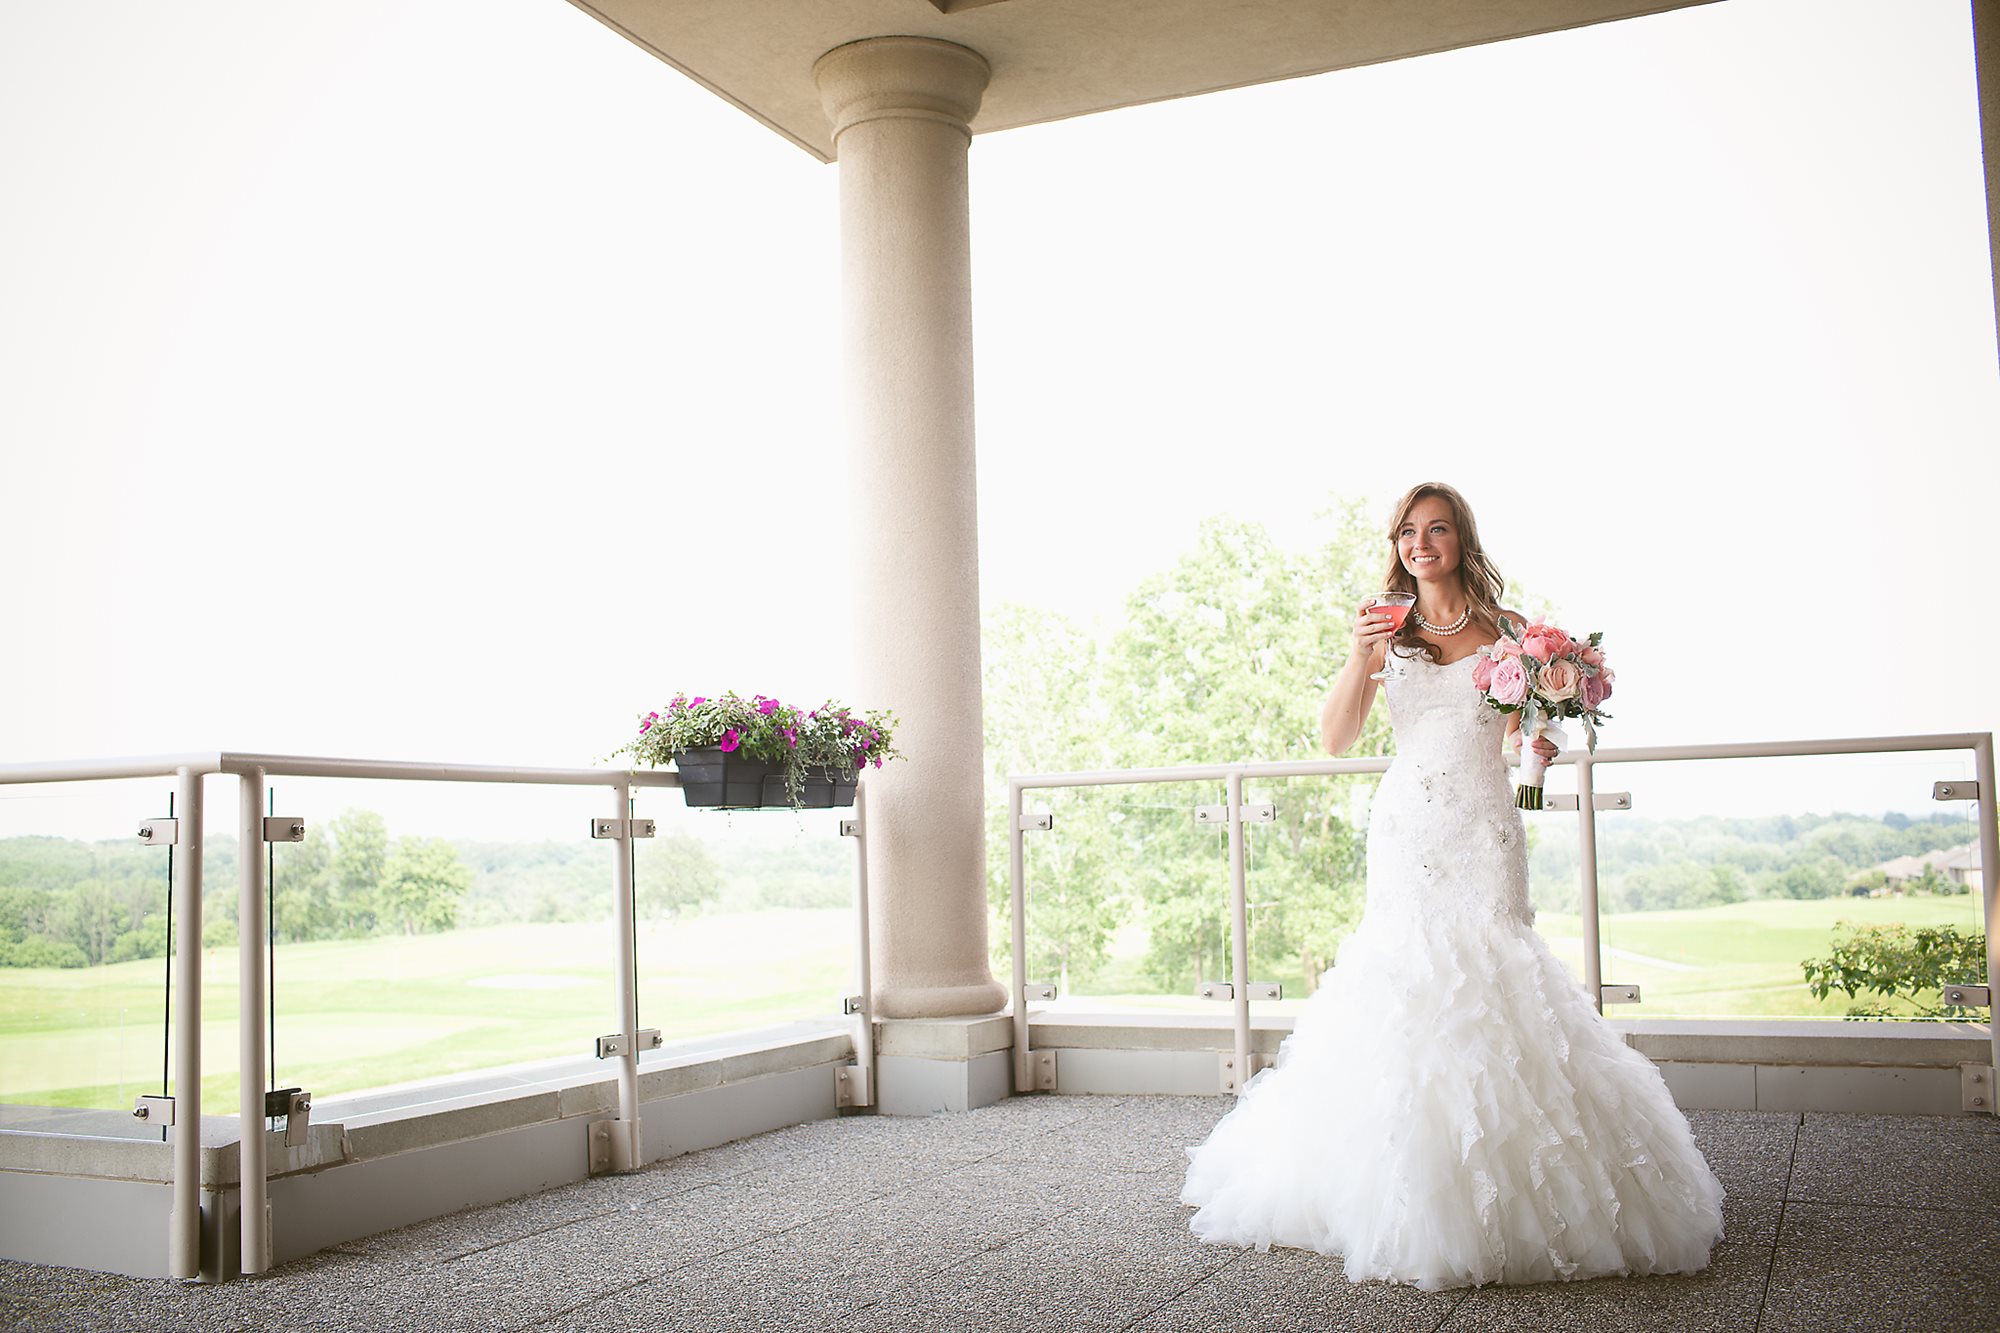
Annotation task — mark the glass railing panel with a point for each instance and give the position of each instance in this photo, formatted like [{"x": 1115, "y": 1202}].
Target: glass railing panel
[
  {"x": 433, "y": 939},
  {"x": 1728, "y": 876},
  {"x": 1127, "y": 897},
  {"x": 1555, "y": 878},
  {"x": 746, "y": 920},
  {"x": 1308, "y": 882},
  {"x": 84, "y": 955},
  {"x": 1307, "y": 879}
]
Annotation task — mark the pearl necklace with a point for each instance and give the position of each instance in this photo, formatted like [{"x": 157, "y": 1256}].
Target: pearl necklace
[{"x": 1453, "y": 628}]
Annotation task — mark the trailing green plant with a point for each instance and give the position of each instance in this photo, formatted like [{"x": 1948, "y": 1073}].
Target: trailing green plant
[
  {"x": 1898, "y": 963},
  {"x": 830, "y": 740}
]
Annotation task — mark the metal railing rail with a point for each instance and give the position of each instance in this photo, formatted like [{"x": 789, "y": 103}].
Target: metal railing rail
[
  {"x": 1585, "y": 763},
  {"x": 253, "y": 772}
]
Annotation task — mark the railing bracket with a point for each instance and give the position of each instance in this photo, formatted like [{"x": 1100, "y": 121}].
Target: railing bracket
[
  {"x": 1042, "y": 1064},
  {"x": 1041, "y": 990},
  {"x": 850, "y": 1086},
  {"x": 850, "y": 828},
  {"x": 599, "y": 1162},
  {"x": 622, "y": 828},
  {"x": 1960, "y": 790},
  {"x": 1600, "y": 800},
  {"x": 1226, "y": 1068},
  {"x": 1041, "y": 821},
  {"x": 1967, "y": 997},
  {"x": 614, "y": 1045},
  {"x": 155, "y": 1111},
  {"x": 295, "y": 1105},
  {"x": 1609, "y": 994},
  {"x": 160, "y": 832},
  {"x": 1256, "y": 990},
  {"x": 1253, "y": 812},
  {"x": 284, "y": 828},
  {"x": 1975, "y": 1085}
]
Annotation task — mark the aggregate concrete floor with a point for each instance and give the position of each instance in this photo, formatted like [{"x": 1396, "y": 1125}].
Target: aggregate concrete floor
[{"x": 1061, "y": 1213}]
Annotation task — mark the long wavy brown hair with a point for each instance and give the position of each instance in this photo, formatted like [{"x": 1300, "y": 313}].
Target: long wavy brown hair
[{"x": 1476, "y": 571}]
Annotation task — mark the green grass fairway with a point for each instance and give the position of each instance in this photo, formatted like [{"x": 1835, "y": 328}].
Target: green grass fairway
[
  {"x": 355, "y": 1014},
  {"x": 1741, "y": 960}
]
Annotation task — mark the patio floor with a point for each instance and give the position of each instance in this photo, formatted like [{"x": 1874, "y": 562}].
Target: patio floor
[{"x": 1060, "y": 1212}]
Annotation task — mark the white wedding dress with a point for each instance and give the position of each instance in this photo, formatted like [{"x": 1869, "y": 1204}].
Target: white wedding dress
[{"x": 1450, "y": 1109}]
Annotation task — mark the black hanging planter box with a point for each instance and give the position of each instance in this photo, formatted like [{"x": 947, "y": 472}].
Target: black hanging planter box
[
  {"x": 822, "y": 790},
  {"x": 715, "y": 779}
]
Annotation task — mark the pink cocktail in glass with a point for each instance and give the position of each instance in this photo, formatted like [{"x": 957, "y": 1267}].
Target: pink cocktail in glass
[{"x": 1396, "y": 606}]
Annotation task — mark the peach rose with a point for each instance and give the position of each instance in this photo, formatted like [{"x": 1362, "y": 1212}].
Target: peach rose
[
  {"x": 1559, "y": 681},
  {"x": 1506, "y": 647},
  {"x": 1591, "y": 656},
  {"x": 1545, "y": 642},
  {"x": 1509, "y": 681}
]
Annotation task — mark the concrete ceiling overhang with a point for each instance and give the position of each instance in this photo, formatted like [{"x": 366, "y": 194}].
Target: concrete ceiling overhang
[{"x": 1053, "y": 59}]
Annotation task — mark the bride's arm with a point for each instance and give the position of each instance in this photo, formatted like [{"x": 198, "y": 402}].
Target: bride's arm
[{"x": 1353, "y": 693}]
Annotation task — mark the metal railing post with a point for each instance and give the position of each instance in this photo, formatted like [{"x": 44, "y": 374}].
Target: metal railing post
[
  {"x": 1239, "y": 914},
  {"x": 864, "y": 1041},
  {"x": 184, "y": 1216},
  {"x": 1017, "y": 879},
  {"x": 1586, "y": 840},
  {"x": 1989, "y": 877},
  {"x": 251, "y": 960},
  {"x": 625, "y": 1141}
]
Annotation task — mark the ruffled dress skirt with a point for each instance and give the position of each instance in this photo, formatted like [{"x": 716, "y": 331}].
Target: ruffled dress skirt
[{"x": 1450, "y": 1110}]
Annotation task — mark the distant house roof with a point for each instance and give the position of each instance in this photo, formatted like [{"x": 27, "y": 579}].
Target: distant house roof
[{"x": 1949, "y": 858}]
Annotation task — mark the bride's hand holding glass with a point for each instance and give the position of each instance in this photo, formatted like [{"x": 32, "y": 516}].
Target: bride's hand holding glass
[
  {"x": 1374, "y": 624},
  {"x": 1381, "y": 616}
]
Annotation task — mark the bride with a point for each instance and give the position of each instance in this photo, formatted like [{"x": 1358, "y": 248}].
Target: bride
[{"x": 1450, "y": 1108}]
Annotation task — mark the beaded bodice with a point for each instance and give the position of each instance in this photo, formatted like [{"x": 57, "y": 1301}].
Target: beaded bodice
[{"x": 1443, "y": 834}]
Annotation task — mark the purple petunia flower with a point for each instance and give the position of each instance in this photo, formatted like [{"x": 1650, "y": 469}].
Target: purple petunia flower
[
  {"x": 697, "y": 701},
  {"x": 730, "y": 739},
  {"x": 767, "y": 706}
]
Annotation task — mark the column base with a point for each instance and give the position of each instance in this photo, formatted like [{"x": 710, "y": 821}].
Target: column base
[
  {"x": 925, "y": 1066},
  {"x": 984, "y": 997}
]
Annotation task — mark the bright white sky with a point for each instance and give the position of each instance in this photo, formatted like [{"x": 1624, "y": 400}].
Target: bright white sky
[{"x": 418, "y": 381}]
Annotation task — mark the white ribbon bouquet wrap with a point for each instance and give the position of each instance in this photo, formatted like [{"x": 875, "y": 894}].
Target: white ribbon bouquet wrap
[{"x": 1544, "y": 674}]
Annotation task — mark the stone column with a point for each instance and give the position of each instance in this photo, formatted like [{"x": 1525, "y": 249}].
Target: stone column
[
  {"x": 1986, "y": 52},
  {"x": 901, "y": 108}
]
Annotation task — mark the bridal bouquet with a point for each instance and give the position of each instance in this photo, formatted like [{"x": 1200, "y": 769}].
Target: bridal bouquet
[{"x": 1544, "y": 674}]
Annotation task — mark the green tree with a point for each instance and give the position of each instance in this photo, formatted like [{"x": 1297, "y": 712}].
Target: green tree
[
  {"x": 303, "y": 905},
  {"x": 1044, "y": 712},
  {"x": 353, "y": 880},
  {"x": 1905, "y": 967},
  {"x": 1226, "y": 655},
  {"x": 676, "y": 876},
  {"x": 421, "y": 886}
]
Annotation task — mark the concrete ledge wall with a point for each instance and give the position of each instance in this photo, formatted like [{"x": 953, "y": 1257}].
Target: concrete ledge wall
[
  {"x": 1772, "y": 1065},
  {"x": 58, "y": 1204},
  {"x": 102, "y": 1202}
]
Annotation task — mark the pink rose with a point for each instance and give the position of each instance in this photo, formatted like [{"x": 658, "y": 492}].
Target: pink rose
[
  {"x": 1595, "y": 691},
  {"x": 1559, "y": 681},
  {"x": 1506, "y": 647},
  {"x": 1545, "y": 642},
  {"x": 1591, "y": 656},
  {"x": 1509, "y": 681},
  {"x": 1482, "y": 673}
]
